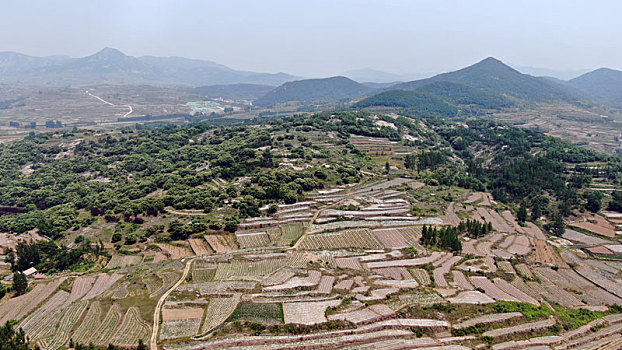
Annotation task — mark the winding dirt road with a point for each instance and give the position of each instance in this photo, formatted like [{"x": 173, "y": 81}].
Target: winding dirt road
[
  {"x": 156, "y": 313},
  {"x": 110, "y": 103}
]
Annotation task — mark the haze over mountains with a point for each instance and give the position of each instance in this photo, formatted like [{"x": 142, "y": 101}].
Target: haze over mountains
[
  {"x": 486, "y": 83},
  {"x": 489, "y": 83},
  {"x": 111, "y": 66}
]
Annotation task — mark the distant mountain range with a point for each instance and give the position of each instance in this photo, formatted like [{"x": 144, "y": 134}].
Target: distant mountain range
[
  {"x": 368, "y": 75},
  {"x": 496, "y": 77},
  {"x": 553, "y": 73},
  {"x": 487, "y": 84},
  {"x": 111, "y": 66},
  {"x": 233, "y": 92}
]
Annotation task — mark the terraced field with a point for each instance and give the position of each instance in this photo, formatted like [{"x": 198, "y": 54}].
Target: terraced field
[{"x": 360, "y": 288}]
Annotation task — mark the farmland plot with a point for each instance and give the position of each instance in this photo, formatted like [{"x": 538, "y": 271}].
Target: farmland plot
[
  {"x": 422, "y": 276},
  {"x": 102, "y": 284},
  {"x": 178, "y": 323},
  {"x": 199, "y": 247},
  {"x": 307, "y": 313},
  {"x": 168, "y": 279},
  {"x": 16, "y": 308},
  {"x": 278, "y": 277},
  {"x": 471, "y": 297},
  {"x": 367, "y": 315},
  {"x": 524, "y": 270},
  {"x": 500, "y": 226},
  {"x": 520, "y": 246},
  {"x": 344, "y": 285},
  {"x": 81, "y": 285},
  {"x": 396, "y": 273},
  {"x": 514, "y": 292},
  {"x": 342, "y": 225},
  {"x": 348, "y": 263},
  {"x": 326, "y": 284},
  {"x": 450, "y": 217},
  {"x": 253, "y": 240},
  {"x": 175, "y": 252},
  {"x": 405, "y": 300},
  {"x": 248, "y": 268},
  {"x": 506, "y": 266},
  {"x": 179, "y": 328},
  {"x": 491, "y": 290},
  {"x": 591, "y": 293},
  {"x": 468, "y": 247},
  {"x": 132, "y": 329},
  {"x": 405, "y": 262},
  {"x": 490, "y": 318},
  {"x": 218, "y": 310},
  {"x": 42, "y": 323},
  {"x": 554, "y": 293},
  {"x": 525, "y": 327},
  {"x": 461, "y": 281},
  {"x": 358, "y": 238},
  {"x": 440, "y": 272},
  {"x": 391, "y": 238},
  {"x": 118, "y": 261},
  {"x": 89, "y": 324},
  {"x": 575, "y": 236},
  {"x": 203, "y": 275},
  {"x": 545, "y": 254},
  {"x": 221, "y": 243},
  {"x": 107, "y": 327},
  {"x": 533, "y": 231},
  {"x": 65, "y": 326},
  {"x": 217, "y": 287},
  {"x": 597, "y": 225}
]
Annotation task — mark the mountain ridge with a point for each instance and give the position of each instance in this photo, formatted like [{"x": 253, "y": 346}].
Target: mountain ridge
[
  {"x": 493, "y": 75},
  {"x": 602, "y": 84},
  {"x": 322, "y": 90},
  {"x": 111, "y": 66}
]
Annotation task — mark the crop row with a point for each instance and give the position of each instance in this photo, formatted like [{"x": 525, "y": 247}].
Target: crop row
[
  {"x": 89, "y": 324},
  {"x": 66, "y": 324},
  {"x": 218, "y": 310},
  {"x": 248, "y": 268},
  {"x": 203, "y": 275},
  {"x": 172, "y": 329},
  {"x": 132, "y": 329},
  {"x": 253, "y": 240},
  {"x": 361, "y": 238},
  {"x": 106, "y": 328},
  {"x": 168, "y": 279}
]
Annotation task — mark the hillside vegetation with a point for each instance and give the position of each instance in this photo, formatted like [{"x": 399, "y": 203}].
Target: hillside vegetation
[{"x": 314, "y": 91}]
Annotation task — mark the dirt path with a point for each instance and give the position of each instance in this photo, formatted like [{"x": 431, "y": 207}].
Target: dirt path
[
  {"x": 317, "y": 213},
  {"x": 156, "y": 314},
  {"x": 184, "y": 213},
  {"x": 110, "y": 103}
]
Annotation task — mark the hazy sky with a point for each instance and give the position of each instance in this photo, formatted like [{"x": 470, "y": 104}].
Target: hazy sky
[{"x": 325, "y": 37}]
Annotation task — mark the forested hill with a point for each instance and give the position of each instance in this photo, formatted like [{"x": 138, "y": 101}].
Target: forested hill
[
  {"x": 603, "y": 85},
  {"x": 314, "y": 91},
  {"x": 442, "y": 99},
  {"x": 68, "y": 180},
  {"x": 494, "y": 76},
  {"x": 423, "y": 103}
]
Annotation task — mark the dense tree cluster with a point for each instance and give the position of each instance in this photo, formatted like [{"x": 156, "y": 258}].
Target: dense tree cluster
[
  {"x": 48, "y": 256},
  {"x": 116, "y": 175},
  {"x": 445, "y": 237},
  {"x": 12, "y": 339}
]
